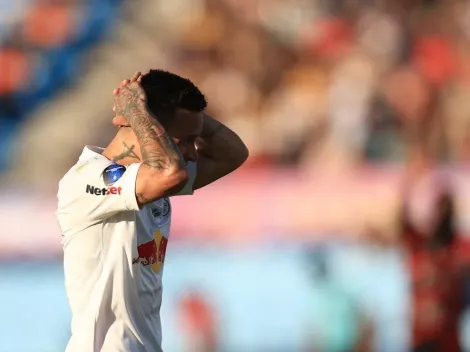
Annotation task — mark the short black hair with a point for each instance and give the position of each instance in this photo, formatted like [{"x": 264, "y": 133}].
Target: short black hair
[{"x": 167, "y": 91}]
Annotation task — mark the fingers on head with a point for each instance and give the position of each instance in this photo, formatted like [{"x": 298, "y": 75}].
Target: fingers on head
[{"x": 136, "y": 76}]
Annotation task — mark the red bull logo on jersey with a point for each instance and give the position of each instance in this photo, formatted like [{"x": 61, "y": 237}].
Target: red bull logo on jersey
[
  {"x": 152, "y": 252},
  {"x": 103, "y": 191}
]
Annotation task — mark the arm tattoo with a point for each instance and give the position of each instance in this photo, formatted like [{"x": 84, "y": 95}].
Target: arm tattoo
[
  {"x": 126, "y": 152},
  {"x": 159, "y": 151}
]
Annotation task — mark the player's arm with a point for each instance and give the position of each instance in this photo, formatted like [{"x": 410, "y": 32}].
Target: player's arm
[
  {"x": 220, "y": 152},
  {"x": 162, "y": 171}
]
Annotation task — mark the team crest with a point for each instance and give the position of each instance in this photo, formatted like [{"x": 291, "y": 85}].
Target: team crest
[
  {"x": 160, "y": 210},
  {"x": 113, "y": 173}
]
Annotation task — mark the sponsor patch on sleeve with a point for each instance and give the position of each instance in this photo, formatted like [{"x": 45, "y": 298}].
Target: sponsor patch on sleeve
[{"x": 113, "y": 173}]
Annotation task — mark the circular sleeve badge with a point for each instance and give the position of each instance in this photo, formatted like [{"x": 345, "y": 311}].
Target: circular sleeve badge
[{"x": 113, "y": 173}]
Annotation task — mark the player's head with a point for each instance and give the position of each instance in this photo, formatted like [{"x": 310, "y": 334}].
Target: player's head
[{"x": 178, "y": 104}]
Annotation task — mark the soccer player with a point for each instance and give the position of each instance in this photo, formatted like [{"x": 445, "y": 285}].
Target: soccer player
[{"x": 114, "y": 210}]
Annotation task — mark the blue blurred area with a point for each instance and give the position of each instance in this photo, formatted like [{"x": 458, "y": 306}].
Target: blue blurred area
[
  {"x": 266, "y": 299},
  {"x": 52, "y": 68},
  {"x": 269, "y": 298}
]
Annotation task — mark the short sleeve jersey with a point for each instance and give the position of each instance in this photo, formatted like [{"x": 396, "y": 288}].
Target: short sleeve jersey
[{"x": 114, "y": 254}]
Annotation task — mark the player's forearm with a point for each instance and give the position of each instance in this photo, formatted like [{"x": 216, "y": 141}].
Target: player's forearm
[
  {"x": 158, "y": 149},
  {"x": 220, "y": 143}
]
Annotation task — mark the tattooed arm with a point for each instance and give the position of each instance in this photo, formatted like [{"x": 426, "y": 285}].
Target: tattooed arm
[
  {"x": 163, "y": 169},
  {"x": 127, "y": 152},
  {"x": 220, "y": 151}
]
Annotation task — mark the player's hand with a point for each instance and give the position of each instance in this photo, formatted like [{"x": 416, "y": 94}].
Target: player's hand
[{"x": 129, "y": 95}]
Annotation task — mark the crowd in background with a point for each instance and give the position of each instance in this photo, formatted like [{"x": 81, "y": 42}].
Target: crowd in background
[
  {"x": 42, "y": 45},
  {"x": 333, "y": 82},
  {"x": 304, "y": 82}
]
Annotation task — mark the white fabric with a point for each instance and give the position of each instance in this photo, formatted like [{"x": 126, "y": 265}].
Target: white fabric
[{"x": 113, "y": 257}]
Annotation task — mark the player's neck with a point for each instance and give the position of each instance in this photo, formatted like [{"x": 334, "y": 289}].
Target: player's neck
[{"x": 124, "y": 148}]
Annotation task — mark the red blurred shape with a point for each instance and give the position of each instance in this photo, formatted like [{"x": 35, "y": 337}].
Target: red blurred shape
[
  {"x": 329, "y": 38},
  {"x": 435, "y": 58},
  {"x": 14, "y": 64},
  {"x": 48, "y": 25}
]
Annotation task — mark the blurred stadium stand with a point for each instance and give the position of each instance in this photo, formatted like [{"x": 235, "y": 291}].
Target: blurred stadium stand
[
  {"x": 42, "y": 51},
  {"x": 358, "y": 84}
]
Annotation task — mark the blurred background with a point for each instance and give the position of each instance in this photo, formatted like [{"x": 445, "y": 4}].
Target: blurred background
[{"x": 348, "y": 227}]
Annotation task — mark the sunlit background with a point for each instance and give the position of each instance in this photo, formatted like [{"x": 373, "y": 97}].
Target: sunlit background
[{"x": 346, "y": 230}]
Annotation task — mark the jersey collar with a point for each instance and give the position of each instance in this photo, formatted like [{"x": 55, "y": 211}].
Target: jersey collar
[{"x": 90, "y": 152}]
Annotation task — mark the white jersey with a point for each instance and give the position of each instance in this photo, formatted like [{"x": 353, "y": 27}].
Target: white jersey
[{"x": 113, "y": 256}]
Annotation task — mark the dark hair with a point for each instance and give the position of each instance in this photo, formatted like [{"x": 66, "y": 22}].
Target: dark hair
[{"x": 167, "y": 91}]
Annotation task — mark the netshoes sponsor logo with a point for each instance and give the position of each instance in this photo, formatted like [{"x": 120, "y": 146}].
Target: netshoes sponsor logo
[{"x": 104, "y": 191}]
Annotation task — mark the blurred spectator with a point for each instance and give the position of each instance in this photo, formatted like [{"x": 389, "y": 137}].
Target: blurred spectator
[
  {"x": 198, "y": 323},
  {"x": 346, "y": 328},
  {"x": 15, "y": 70},
  {"x": 332, "y": 83},
  {"x": 49, "y": 23},
  {"x": 437, "y": 285}
]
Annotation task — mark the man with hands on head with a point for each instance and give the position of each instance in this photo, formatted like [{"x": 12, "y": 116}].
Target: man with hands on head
[{"x": 114, "y": 210}]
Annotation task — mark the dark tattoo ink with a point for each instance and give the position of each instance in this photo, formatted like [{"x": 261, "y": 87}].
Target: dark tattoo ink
[
  {"x": 127, "y": 152},
  {"x": 159, "y": 151}
]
